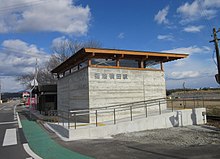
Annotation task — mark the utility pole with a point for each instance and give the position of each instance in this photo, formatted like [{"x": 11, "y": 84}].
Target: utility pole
[
  {"x": 215, "y": 40},
  {"x": 33, "y": 85},
  {"x": 0, "y": 91}
]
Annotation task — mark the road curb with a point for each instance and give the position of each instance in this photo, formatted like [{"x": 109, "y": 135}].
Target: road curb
[
  {"x": 19, "y": 121},
  {"x": 30, "y": 152},
  {"x": 46, "y": 125}
]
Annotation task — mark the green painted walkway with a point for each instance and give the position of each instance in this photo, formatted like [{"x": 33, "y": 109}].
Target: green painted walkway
[{"x": 41, "y": 143}]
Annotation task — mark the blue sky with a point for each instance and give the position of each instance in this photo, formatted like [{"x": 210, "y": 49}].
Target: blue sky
[{"x": 29, "y": 28}]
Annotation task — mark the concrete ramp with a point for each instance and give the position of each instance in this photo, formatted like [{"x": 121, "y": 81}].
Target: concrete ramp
[{"x": 178, "y": 118}]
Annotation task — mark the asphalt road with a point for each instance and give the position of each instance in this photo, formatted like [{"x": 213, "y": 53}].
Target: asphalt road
[
  {"x": 115, "y": 149},
  {"x": 107, "y": 148},
  {"x": 11, "y": 137},
  {"x": 195, "y": 142}
]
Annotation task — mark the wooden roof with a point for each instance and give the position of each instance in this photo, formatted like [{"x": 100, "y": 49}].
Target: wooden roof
[{"x": 87, "y": 53}]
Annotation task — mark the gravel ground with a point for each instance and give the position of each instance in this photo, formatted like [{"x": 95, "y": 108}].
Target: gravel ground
[
  {"x": 178, "y": 136},
  {"x": 190, "y": 142},
  {"x": 214, "y": 123}
]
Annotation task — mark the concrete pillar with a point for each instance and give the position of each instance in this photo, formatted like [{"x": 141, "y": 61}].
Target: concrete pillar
[
  {"x": 161, "y": 66},
  {"x": 117, "y": 63},
  {"x": 179, "y": 117},
  {"x": 89, "y": 62},
  {"x": 204, "y": 117}
]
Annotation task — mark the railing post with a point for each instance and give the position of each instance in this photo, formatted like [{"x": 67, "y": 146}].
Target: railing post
[
  {"x": 159, "y": 108},
  {"x": 48, "y": 113},
  {"x": 63, "y": 118},
  {"x": 131, "y": 112},
  {"x": 172, "y": 104},
  {"x": 203, "y": 102},
  {"x": 75, "y": 120},
  {"x": 114, "y": 117},
  {"x": 68, "y": 119},
  {"x": 194, "y": 101},
  {"x": 53, "y": 119},
  {"x": 49, "y": 116},
  {"x": 96, "y": 118},
  {"x": 183, "y": 104},
  {"x": 146, "y": 110},
  {"x": 58, "y": 118}
]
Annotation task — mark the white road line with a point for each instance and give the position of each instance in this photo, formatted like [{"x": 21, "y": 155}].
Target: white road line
[
  {"x": 30, "y": 152},
  {"x": 2, "y": 107},
  {"x": 7, "y": 109},
  {"x": 10, "y": 137},
  {"x": 9, "y": 122},
  {"x": 15, "y": 115},
  {"x": 19, "y": 121}
]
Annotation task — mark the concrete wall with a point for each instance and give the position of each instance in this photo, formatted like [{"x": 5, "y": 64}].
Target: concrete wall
[
  {"x": 172, "y": 119},
  {"x": 98, "y": 87},
  {"x": 73, "y": 91},
  {"x": 118, "y": 86},
  {"x": 131, "y": 86}
]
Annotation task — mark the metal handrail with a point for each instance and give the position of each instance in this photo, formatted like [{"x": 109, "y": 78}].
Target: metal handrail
[
  {"x": 133, "y": 104},
  {"x": 117, "y": 108},
  {"x": 141, "y": 104},
  {"x": 72, "y": 116}
]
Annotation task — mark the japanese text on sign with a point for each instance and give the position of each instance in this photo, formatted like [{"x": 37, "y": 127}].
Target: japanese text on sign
[{"x": 110, "y": 76}]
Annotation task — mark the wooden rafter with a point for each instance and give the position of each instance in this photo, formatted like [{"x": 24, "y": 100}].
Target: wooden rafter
[{"x": 87, "y": 54}]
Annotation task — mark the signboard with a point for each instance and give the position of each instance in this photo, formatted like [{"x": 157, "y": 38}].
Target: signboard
[{"x": 33, "y": 101}]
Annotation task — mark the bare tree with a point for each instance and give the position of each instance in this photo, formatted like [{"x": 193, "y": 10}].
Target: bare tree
[
  {"x": 64, "y": 49},
  {"x": 25, "y": 79},
  {"x": 61, "y": 51}
]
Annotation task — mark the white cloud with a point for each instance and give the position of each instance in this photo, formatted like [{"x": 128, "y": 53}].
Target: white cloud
[
  {"x": 180, "y": 63},
  {"x": 168, "y": 37},
  {"x": 57, "y": 15},
  {"x": 189, "y": 50},
  {"x": 193, "y": 29},
  {"x": 198, "y": 9},
  {"x": 59, "y": 40},
  {"x": 197, "y": 82},
  {"x": 18, "y": 57},
  {"x": 121, "y": 35},
  {"x": 196, "y": 70},
  {"x": 160, "y": 17},
  {"x": 9, "y": 84},
  {"x": 212, "y": 3},
  {"x": 196, "y": 73},
  {"x": 185, "y": 74}
]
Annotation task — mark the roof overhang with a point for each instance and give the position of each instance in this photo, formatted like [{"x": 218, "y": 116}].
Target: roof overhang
[{"x": 86, "y": 53}]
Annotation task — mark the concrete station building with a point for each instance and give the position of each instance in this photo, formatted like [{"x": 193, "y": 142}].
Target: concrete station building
[{"x": 97, "y": 77}]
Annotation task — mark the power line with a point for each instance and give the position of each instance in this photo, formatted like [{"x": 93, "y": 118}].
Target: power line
[
  {"x": 22, "y": 52},
  {"x": 206, "y": 17},
  {"x": 0, "y": 90},
  {"x": 22, "y": 5}
]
